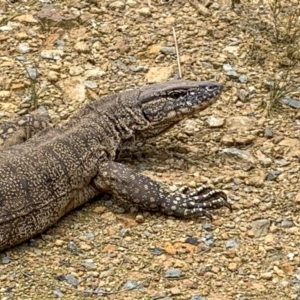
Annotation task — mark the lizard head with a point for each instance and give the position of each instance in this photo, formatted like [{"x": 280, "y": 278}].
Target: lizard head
[
  {"x": 169, "y": 102},
  {"x": 153, "y": 109}
]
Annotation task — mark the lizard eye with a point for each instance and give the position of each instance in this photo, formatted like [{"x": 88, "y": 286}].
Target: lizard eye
[
  {"x": 175, "y": 95},
  {"x": 210, "y": 88}
]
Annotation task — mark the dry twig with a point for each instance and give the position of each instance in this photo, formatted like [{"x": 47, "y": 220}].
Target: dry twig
[{"x": 177, "y": 52}]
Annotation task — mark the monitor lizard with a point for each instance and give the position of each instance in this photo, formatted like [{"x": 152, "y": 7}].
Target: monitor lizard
[{"x": 47, "y": 171}]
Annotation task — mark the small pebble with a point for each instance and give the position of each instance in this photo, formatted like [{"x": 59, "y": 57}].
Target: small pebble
[
  {"x": 173, "y": 273},
  {"x": 168, "y": 50},
  {"x": 73, "y": 247},
  {"x": 33, "y": 243},
  {"x": 196, "y": 297},
  {"x": 133, "y": 285},
  {"x": 157, "y": 251},
  {"x": 287, "y": 224},
  {"x": 273, "y": 174},
  {"x": 90, "y": 84},
  {"x": 268, "y": 133},
  {"x": 231, "y": 244},
  {"x": 267, "y": 275},
  {"x": 5, "y": 260},
  {"x": 89, "y": 264},
  {"x": 207, "y": 226},
  {"x": 243, "y": 78},
  {"x": 58, "y": 293},
  {"x": 192, "y": 241},
  {"x": 71, "y": 280},
  {"x": 23, "y": 48}
]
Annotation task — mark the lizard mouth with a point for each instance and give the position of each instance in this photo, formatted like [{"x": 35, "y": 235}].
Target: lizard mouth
[{"x": 174, "y": 104}]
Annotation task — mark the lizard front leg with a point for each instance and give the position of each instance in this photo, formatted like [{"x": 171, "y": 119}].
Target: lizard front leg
[
  {"x": 21, "y": 129},
  {"x": 131, "y": 187}
]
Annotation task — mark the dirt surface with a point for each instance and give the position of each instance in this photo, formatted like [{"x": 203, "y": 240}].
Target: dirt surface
[{"x": 73, "y": 52}]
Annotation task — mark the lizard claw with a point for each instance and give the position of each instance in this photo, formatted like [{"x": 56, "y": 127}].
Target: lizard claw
[
  {"x": 196, "y": 202},
  {"x": 228, "y": 205}
]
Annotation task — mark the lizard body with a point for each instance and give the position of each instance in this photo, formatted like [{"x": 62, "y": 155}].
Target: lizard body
[{"x": 58, "y": 169}]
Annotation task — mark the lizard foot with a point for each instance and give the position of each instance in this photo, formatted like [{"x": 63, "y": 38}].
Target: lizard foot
[
  {"x": 21, "y": 129},
  {"x": 196, "y": 202},
  {"x": 131, "y": 187}
]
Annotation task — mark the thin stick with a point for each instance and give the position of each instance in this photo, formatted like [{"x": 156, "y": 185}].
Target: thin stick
[{"x": 177, "y": 53}]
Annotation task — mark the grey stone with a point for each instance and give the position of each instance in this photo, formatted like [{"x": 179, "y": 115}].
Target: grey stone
[
  {"x": 117, "y": 5},
  {"x": 131, "y": 58},
  {"x": 124, "y": 232},
  {"x": 32, "y": 73},
  {"x": 192, "y": 241},
  {"x": 145, "y": 11},
  {"x": 156, "y": 251},
  {"x": 133, "y": 285},
  {"x": 99, "y": 291},
  {"x": 121, "y": 65},
  {"x": 227, "y": 67},
  {"x": 90, "y": 235},
  {"x": 208, "y": 240},
  {"x": 207, "y": 226},
  {"x": 90, "y": 84},
  {"x": 72, "y": 247},
  {"x": 231, "y": 244},
  {"x": 268, "y": 133},
  {"x": 214, "y": 122},
  {"x": 291, "y": 102},
  {"x": 273, "y": 174},
  {"x": 243, "y": 78},
  {"x": 59, "y": 43},
  {"x": 76, "y": 70},
  {"x": 57, "y": 293},
  {"x": 168, "y": 50},
  {"x": 196, "y": 297},
  {"x": 243, "y": 95},
  {"x": 21, "y": 58},
  {"x": 138, "y": 68},
  {"x": 89, "y": 264},
  {"x": 282, "y": 162},
  {"x": 94, "y": 73},
  {"x": 23, "y": 48},
  {"x": 71, "y": 280},
  {"x": 52, "y": 54},
  {"x": 5, "y": 260},
  {"x": 232, "y": 74},
  {"x": 287, "y": 224},
  {"x": 260, "y": 227},
  {"x": 173, "y": 273},
  {"x": 239, "y": 154},
  {"x": 248, "y": 189}
]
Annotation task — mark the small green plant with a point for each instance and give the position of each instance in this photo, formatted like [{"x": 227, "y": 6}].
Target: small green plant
[
  {"x": 279, "y": 88},
  {"x": 273, "y": 30},
  {"x": 32, "y": 74}
]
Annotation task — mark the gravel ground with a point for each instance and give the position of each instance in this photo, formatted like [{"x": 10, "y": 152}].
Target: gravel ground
[{"x": 57, "y": 56}]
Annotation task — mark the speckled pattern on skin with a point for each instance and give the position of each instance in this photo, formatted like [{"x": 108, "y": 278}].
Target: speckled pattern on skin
[
  {"x": 59, "y": 169},
  {"x": 20, "y": 130}
]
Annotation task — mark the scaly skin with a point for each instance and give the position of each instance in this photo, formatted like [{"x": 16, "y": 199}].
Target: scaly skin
[{"x": 60, "y": 168}]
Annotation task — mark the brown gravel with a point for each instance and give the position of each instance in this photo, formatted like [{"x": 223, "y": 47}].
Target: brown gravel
[{"x": 82, "y": 49}]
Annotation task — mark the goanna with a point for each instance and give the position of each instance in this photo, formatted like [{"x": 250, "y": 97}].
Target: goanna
[{"x": 45, "y": 171}]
